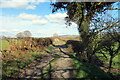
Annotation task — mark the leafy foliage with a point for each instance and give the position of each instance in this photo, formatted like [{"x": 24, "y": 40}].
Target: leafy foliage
[
  {"x": 92, "y": 28},
  {"x": 83, "y": 14}
]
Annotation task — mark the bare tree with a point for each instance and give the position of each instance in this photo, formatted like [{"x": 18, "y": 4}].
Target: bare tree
[
  {"x": 24, "y": 34},
  {"x": 19, "y": 35},
  {"x": 27, "y": 33}
]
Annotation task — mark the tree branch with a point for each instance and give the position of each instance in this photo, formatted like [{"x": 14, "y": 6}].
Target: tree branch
[{"x": 108, "y": 27}]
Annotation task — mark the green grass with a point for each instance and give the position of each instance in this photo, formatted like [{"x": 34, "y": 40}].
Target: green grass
[
  {"x": 50, "y": 48},
  {"x": 36, "y": 55},
  {"x": 89, "y": 71},
  {"x": 4, "y": 44},
  {"x": 15, "y": 63},
  {"x": 11, "y": 66},
  {"x": 116, "y": 60}
]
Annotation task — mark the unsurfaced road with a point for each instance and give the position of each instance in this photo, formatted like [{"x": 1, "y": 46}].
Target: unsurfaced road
[{"x": 62, "y": 67}]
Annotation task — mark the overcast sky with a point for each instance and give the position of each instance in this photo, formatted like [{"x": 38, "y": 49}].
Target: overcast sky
[{"x": 33, "y": 15}]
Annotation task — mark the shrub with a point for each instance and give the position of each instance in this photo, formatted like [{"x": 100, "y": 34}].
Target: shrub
[{"x": 76, "y": 46}]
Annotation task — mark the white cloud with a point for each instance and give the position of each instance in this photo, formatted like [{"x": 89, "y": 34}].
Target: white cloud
[
  {"x": 39, "y": 22},
  {"x": 13, "y": 4},
  {"x": 35, "y": 19},
  {"x": 12, "y": 22},
  {"x": 36, "y": 24},
  {"x": 30, "y": 7},
  {"x": 11, "y": 30},
  {"x": 21, "y": 21},
  {"x": 28, "y": 16},
  {"x": 56, "y": 18},
  {"x": 74, "y": 25},
  {"x": 26, "y": 4}
]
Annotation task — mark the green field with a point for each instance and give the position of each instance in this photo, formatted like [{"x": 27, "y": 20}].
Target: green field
[{"x": 4, "y": 44}]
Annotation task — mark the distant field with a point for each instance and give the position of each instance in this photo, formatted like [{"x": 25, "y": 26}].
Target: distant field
[{"x": 4, "y": 44}]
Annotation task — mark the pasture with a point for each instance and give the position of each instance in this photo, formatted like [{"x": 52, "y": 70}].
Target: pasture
[{"x": 4, "y": 44}]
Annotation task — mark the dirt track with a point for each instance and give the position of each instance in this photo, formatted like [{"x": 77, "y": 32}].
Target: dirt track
[{"x": 61, "y": 69}]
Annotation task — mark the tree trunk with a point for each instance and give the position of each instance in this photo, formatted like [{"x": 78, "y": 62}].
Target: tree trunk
[
  {"x": 110, "y": 64},
  {"x": 84, "y": 32}
]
